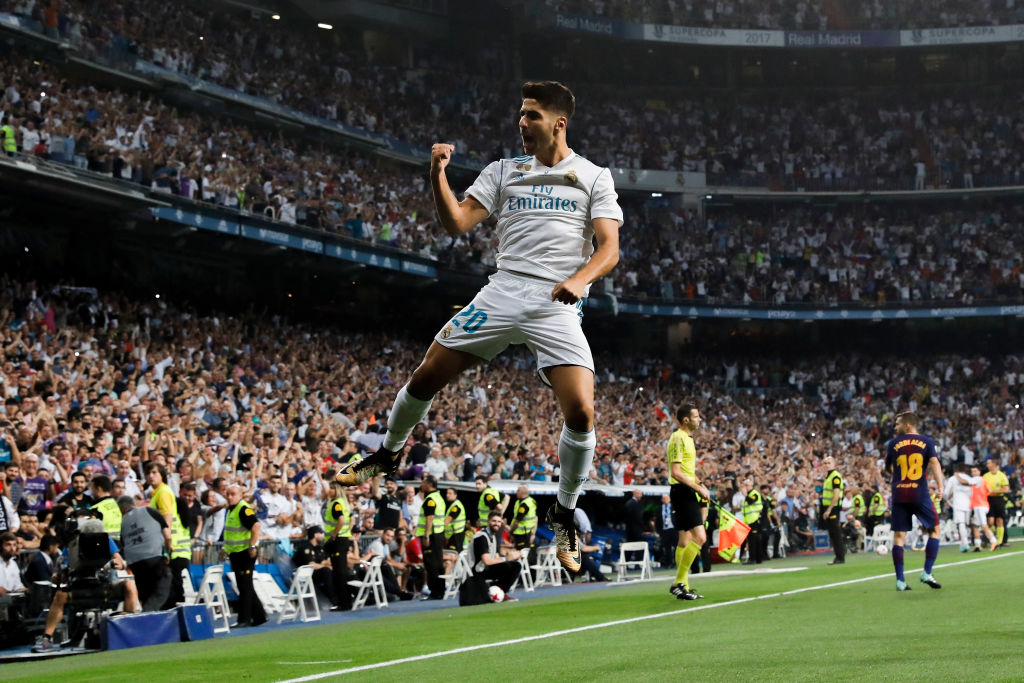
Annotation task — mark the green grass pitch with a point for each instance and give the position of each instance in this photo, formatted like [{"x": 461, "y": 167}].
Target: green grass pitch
[{"x": 970, "y": 630}]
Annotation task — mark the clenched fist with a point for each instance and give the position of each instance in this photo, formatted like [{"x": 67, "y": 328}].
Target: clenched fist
[{"x": 440, "y": 155}]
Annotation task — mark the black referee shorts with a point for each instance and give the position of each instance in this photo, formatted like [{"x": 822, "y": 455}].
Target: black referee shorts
[
  {"x": 687, "y": 507},
  {"x": 997, "y": 507}
]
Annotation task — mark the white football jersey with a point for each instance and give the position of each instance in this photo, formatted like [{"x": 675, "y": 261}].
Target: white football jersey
[
  {"x": 545, "y": 215},
  {"x": 961, "y": 493}
]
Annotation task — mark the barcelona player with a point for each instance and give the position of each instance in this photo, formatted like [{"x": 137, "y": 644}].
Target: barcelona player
[{"x": 910, "y": 457}]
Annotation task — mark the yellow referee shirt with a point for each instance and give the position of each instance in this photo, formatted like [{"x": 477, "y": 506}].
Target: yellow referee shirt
[
  {"x": 682, "y": 451},
  {"x": 996, "y": 480}
]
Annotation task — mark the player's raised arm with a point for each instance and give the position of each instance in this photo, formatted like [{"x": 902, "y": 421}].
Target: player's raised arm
[
  {"x": 456, "y": 217},
  {"x": 605, "y": 257}
]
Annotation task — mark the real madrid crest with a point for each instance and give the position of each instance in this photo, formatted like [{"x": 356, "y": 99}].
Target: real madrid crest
[
  {"x": 446, "y": 332},
  {"x": 571, "y": 177},
  {"x": 522, "y": 167}
]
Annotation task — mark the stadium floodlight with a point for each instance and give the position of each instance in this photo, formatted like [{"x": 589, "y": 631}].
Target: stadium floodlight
[
  {"x": 322, "y": 25},
  {"x": 655, "y": 194},
  {"x": 275, "y": 17}
]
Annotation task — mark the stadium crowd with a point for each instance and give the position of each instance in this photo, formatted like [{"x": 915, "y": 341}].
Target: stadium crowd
[
  {"x": 822, "y": 257},
  {"x": 814, "y": 15},
  {"x": 103, "y": 384},
  {"x": 826, "y": 256},
  {"x": 865, "y": 142}
]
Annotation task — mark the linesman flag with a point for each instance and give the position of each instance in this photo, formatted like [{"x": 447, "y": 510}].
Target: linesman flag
[{"x": 731, "y": 534}]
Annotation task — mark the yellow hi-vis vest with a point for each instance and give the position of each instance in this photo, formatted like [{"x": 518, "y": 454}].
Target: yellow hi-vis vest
[
  {"x": 752, "y": 511},
  {"x": 438, "y": 522},
  {"x": 859, "y": 508},
  {"x": 482, "y": 510},
  {"x": 181, "y": 543},
  {"x": 236, "y": 537},
  {"x": 877, "y": 505},
  {"x": 343, "y": 523},
  {"x": 457, "y": 511},
  {"x": 528, "y": 524},
  {"x": 11, "y": 145},
  {"x": 111, "y": 514},
  {"x": 828, "y": 490}
]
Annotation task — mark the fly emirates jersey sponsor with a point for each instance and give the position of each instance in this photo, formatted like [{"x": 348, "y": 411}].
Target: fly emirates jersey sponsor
[{"x": 545, "y": 214}]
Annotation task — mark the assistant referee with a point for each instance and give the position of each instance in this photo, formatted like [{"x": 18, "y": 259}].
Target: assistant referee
[{"x": 689, "y": 499}]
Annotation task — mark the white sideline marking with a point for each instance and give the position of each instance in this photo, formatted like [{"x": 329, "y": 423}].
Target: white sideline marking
[
  {"x": 328, "y": 661},
  {"x": 620, "y": 622},
  {"x": 709, "y": 575}
]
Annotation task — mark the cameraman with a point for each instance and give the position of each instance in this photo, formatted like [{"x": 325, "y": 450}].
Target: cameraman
[
  {"x": 147, "y": 545},
  {"x": 126, "y": 589}
]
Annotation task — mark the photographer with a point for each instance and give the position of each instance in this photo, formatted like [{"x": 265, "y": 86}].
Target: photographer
[{"x": 147, "y": 545}]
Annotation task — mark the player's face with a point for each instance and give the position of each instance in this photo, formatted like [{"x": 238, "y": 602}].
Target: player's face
[
  {"x": 694, "y": 419},
  {"x": 537, "y": 126}
]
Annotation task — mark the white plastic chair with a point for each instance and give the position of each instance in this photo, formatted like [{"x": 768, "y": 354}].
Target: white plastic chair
[
  {"x": 187, "y": 587},
  {"x": 525, "y": 577},
  {"x": 211, "y": 593},
  {"x": 548, "y": 570},
  {"x": 882, "y": 533},
  {"x": 373, "y": 581},
  {"x": 301, "y": 591},
  {"x": 454, "y": 580},
  {"x": 644, "y": 563},
  {"x": 269, "y": 593}
]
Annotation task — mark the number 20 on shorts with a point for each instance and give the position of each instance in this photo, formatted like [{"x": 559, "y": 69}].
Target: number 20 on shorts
[{"x": 470, "y": 319}]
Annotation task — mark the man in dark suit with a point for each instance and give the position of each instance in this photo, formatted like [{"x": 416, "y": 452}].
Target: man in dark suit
[
  {"x": 635, "y": 518},
  {"x": 667, "y": 532},
  {"x": 44, "y": 563}
]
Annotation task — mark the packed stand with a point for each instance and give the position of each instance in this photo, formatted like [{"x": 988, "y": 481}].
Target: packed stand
[
  {"x": 800, "y": 15},
  {"x": 309, "y": 70},
  {"x": 105, "y": 384},
  {"x": 138, "y": 139},
  {"x": 798, "y": 256},
  {"x": 787, "y": 254},
  {"x": 835, "y": 143}
]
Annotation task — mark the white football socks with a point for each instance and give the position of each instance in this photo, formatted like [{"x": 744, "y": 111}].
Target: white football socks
[
  {"x": 575, "y": 457},
  {"x": 965, "y": 541},
  {"x": 407, "y": 412}
]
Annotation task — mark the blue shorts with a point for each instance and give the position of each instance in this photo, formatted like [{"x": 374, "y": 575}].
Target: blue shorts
[{"x": 924, "y": 511}]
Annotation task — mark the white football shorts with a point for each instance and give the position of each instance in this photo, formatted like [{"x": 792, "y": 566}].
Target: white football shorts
[
  {"x": 961, "y": 516},
  {"x": 516, "y": 309},
  {"x": 979, "y": 516}
]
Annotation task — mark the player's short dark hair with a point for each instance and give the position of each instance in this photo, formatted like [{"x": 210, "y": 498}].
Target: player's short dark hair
[
  {"x": 908, "y": 416},
  {"x": 48, "y": 541},
  {"x": 7, "y": 536},
  {"x": 961, "y": 467},
  {"x": 684, "y": 410},
  {"x": 494, "y": 513},
  {"x": 482, "y": 478},
  {"x": 551, "y": 95},
  {"x": 994, "y": 458},
  {"x": 78, "y": 473},
  {"x": 102, "y": 482}
]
